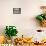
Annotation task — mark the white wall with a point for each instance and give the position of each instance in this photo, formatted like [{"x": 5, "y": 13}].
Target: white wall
[{"x": 25, "y": 22}]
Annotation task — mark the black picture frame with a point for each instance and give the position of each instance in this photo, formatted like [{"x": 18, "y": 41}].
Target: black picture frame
[{"x": 16, "y": 10}]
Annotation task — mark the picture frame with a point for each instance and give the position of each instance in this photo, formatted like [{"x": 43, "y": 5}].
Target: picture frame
[{"x": 16, "y": 10}]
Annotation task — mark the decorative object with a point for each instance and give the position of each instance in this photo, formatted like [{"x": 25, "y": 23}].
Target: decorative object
[
  {"x": 9, "y": 41},
  {"x": 39, "y": 30},
  {"x": 42, "y": 17},
  {"x": 10, "y": 31},
  {"x": 16, "y": 10}
]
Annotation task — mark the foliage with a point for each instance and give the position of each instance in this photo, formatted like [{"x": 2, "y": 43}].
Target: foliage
[
  {"x": 41, "y": 17},
  {"x": 11, "y": 31}
]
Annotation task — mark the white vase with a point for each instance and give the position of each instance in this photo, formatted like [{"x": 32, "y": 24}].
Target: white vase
[{"x": 13, "y": 38}]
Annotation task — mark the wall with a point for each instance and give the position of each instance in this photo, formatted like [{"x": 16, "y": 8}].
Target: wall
[{"x": 25, "y": 22}]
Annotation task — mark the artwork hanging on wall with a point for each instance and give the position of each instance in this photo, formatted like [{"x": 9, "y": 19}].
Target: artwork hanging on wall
[{"x": 16, "y": 10}]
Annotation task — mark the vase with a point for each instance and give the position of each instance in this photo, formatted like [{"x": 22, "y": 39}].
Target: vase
[
  {"x": 13, "y": 38},
  {"x": 9, "y": 41}
]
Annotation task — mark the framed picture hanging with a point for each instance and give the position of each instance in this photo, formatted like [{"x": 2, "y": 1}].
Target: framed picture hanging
[{"x": 16, "y": 10}]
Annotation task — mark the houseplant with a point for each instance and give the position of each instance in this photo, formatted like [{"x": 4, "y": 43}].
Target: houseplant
[
  {"x": 42, "y": 17},
  {"x": 10, "y": 31}
]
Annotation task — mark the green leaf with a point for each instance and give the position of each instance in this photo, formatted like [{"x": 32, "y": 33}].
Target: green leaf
[{"x": 40, "y": 18}]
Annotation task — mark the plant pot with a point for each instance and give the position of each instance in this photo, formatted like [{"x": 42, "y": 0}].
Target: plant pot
[
  {"x": 13, "y": 38},
  {"x": 43, "y": 23},
  {"x": 9, "y": 41}
]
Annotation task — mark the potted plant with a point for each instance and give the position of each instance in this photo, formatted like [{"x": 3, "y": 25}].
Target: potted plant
[
  {"x": 10, "y": 31},
  {"x": 42, "y": 17}
]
